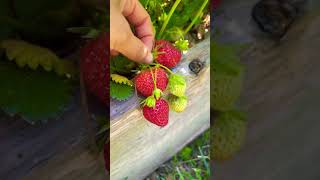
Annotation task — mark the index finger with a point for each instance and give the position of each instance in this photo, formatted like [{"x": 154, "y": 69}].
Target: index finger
[{"x": 140, "y": 19}]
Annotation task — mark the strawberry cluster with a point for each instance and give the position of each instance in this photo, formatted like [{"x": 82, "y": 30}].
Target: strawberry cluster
[
  {"x": 151, "y": 82},
  {"x": 154, "y": 79}
]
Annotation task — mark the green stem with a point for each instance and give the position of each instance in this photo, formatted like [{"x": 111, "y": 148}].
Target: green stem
[
  {"x": 196, "y": 17},
  {"x": 162, "y": 67},
  {"x": 175, "y": 5},
  {"x": 154, "y": 79}
]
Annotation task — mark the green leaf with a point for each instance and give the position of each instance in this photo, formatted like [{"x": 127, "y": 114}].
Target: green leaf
[
  {"x": 121, "y": 65},
  {"x": 103, "y": 124},
  {"x": 185, "y": 13},
  {"x": 26, "y": 54},
  {"x": 186, "y": 153},
  {"x": 34, "y": 95},
  {"x": 120, "y": 91},
  {"x": 173, "y": 34},
  {"x": 102, "y": 135},
  {"x": 121, "y": 79}
]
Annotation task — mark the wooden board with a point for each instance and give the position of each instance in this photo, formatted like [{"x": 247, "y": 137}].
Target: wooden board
[
  {"x": 282, "y": 99},
  {"x": 139, "y": 147},
  {"x": 57, "y": 150},
  {"x": 77, "y": 163}
]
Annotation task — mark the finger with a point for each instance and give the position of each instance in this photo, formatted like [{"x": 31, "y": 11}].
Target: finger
[
  {"x": 134, "y": 49},
  {"x": 131, "y": 46},
  {"x": 140, "y": 19}
]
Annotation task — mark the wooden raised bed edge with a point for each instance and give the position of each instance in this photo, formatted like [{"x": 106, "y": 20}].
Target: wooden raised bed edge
[{"x": 139, "y": 147}]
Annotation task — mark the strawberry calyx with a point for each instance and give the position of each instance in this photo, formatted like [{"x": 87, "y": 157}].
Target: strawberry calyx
[
  {"x": 155, "y": 53},
  {"x": 149, "y": 101},
  {"x": 157, "y": 93},
  {"x": 182, "y": 44}
]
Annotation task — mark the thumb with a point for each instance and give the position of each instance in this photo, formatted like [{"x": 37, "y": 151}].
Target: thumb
[{"x": 135, "y": 49}]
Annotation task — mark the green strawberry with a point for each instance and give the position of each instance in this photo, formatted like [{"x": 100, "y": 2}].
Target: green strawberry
[
  {"x": 177, "y": 85},
  {"x": 227, "y": 77},
  {"x": 226, "y": 90},
  {"x": 178, "y": 104},
  {"x": 227, "y": 134}
]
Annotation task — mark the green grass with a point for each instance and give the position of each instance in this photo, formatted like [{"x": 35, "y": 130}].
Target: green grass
[{"x": 191, "y": 163}]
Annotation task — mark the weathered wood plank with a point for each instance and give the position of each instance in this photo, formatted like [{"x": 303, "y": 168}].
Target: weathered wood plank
[
  {"x": 76, "y": 163},
  {"x": 139, "y": 147},
  {"x": 281, "y": 97},
  {"x": 25, "y": 148}
]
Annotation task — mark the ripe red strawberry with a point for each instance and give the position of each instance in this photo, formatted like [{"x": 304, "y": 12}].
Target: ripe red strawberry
[
  {"x": 144, "y": 82},
  {"x": 167, "y": 54},
  {"x": 159, "y": 114},
  {"x": 95, "y": 66}
]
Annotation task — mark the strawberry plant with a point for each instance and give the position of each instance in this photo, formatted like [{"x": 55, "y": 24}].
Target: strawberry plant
[
  {"x": 39, "y": 53},
  {"x": 173, "y": 23},
  {"x": 38, "y": 77},
  {"x": 172, "y": 20}
]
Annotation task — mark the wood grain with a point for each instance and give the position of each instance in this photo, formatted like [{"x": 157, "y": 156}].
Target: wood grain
[
  {"x": 35, "y": 150},
  {"x": 139, "y": 147},
  {"x": 76, "y": 163},
  {"x": 281, "y": 97}
]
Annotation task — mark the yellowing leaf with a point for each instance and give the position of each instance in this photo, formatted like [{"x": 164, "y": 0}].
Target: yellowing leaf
[
  {"x": 121, "y": 79},
  {"x": 33, "y": 56}
]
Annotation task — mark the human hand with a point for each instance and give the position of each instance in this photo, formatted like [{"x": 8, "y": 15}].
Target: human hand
[{"x": 138, "y": 46}]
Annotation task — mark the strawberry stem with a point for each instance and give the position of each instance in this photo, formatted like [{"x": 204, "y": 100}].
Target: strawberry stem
[
  {"x": 175, "y": 5},
  {"x": 154, "y": 79},
  {"x": 163, "y": 67},
  {"x": 196, "y": 17}
]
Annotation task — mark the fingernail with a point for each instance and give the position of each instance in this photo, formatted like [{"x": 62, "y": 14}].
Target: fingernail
[{"x": 149, "y": 58}]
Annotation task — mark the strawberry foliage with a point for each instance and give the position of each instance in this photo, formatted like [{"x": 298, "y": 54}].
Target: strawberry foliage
[
  {"x": 33, "y": 56},
  {"x": 34, "y": 95},
  {"x": 121, "y": 65},
  {"x": 173, "y": 19},
  {"x": 102, "y": 136},
  {"x": 34, "y": 36},
  {"x": 120, "y": 91}
]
